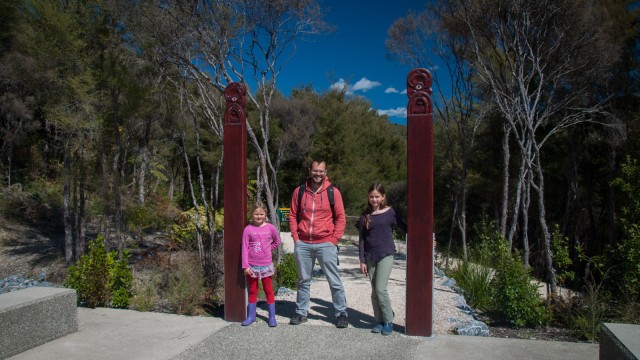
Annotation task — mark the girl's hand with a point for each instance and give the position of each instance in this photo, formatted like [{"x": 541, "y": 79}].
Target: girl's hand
[
  {"x": 363, "y": 268},
  {"x": 248, "y": 272}
]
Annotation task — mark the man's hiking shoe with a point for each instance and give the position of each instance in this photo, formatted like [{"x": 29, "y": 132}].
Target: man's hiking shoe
[
  {"x": 298, "y": 319},
  {"x": 377, "y": 329},
  {"x": 341, "y": 321}
]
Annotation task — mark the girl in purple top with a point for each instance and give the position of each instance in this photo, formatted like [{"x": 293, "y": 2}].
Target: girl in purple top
[
  {"x": 258, "y": 240},
  {"x": 376, "y": 253}
]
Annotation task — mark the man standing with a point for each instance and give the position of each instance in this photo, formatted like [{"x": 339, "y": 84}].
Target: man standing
[{"x": 316, "y": 227}]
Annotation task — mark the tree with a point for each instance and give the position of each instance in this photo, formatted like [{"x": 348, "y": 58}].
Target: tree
[
  {"x": 359, "y": 145},
  {"x": 423, "y": 41},
  {"x": 51, "y": 37},
  {"x": 217, "y": 42},
  {"x": 539, "y": 71},
  {"x": 270, "y": 30}
]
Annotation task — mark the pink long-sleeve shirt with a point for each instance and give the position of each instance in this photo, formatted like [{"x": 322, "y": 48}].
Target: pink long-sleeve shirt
[{"x": 257, "y": 244}]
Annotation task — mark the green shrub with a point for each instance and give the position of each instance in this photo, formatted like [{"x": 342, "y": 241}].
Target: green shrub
[
  {"x": 287, "y": 273},
  {"x": 36, "y": 203},
  {"x": 627, "y": 269},
  {"x": 120, "y": 280},
  {"x": 475, "y": 280},
  {"x": 474, "y": 275},
  {"x": 625, "y": 255},
  {"x": 145, "y": 296},
  {"x": 156, "y": 213},
  {"x": 561, "y": 258},
  {"x": 510, "y": 291},
  {"x": 516, "y": 296},
  {"x": 186, "y": 291},
  {"x": 183, "y": 233},
  {"x": 100, "y": 278},
  {"x": 591, "y": 313}
]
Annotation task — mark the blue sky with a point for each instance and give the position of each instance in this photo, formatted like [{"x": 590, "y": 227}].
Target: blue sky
[{"x": 355, "y": 54}]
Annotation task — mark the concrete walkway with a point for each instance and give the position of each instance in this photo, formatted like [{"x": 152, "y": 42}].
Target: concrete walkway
[{"x": 125, "y": 334}]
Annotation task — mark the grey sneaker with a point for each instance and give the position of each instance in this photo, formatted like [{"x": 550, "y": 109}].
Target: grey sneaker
[
  {"x": 341, "y": 321},
  {"x": 298, "y": 319},
  {"x": 378, "y": 328}
]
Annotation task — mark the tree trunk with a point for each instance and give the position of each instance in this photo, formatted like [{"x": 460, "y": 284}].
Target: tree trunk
[
  {"x": 611, "y": 195},
  {"x": 548, "y": 254},
  {"x": 526, "y": 205},
  {"x": 451, "y": 230},
  {"x": 517, "y": 206},
  {"x": 216, "y": 198},
  {"x": 572, "y": 191},
  {"x": 144, "y": 162},
  {"x": 105, "y": 189},
  {"x": 142, "y": 172},
  {"x": 117, "y": 175},
  {"x": 76, "y": 214},
  {"x": 81, "y": 227},
  {"x": 506, "y": 155},
  {"x": 193, "y": 201},
  {"x": 66, "y": 211}
]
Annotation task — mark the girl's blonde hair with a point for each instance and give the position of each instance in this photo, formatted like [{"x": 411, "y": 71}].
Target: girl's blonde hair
[
  {"x": 260, "y": 205},
  {"x": 376, "y": 186}
]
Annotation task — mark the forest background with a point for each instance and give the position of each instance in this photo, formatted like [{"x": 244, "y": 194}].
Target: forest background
[{"x": 112, "y": 124}]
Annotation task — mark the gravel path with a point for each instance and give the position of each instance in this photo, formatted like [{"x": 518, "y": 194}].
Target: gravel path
[{"x": 446, "y": 313}]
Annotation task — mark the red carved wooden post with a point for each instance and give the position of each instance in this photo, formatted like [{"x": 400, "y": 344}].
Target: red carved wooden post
[
  {"x": 420, "y": 202},
  {"x": 235, "y": 200}
]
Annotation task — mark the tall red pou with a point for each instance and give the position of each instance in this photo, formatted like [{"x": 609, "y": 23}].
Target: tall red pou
[
  {"x": 419, "y": 308},
  {"x": 235, "y": 200}
]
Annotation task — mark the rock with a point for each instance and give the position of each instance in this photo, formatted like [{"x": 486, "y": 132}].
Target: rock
[
  {"x": 450, "y": 282},
  {"x": 473, "y": 328},
  {"x": 283, "y": 291},
  {"x": 461, "y": 304},
  {"x": 17, "y": 282}
]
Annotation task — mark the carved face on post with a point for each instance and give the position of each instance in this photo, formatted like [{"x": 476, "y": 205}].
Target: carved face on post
[
  {"x": 235, "y": 97},
  {"x": 419, "y": 92}
]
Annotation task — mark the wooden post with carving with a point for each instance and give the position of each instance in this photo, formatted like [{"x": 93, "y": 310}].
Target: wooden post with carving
[
  {"x": 235, "y": 200},
  {"x": 419, "y": 311}
]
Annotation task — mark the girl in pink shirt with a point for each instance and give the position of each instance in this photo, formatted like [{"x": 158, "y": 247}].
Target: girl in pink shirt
[{"x": 258, "y": 241}]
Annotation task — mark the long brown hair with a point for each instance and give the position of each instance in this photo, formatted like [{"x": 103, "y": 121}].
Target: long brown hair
[{"x": 376, "y": 186}]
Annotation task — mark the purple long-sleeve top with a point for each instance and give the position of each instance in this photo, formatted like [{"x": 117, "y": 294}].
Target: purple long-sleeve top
[
  {"x": 257, "y": 244},
  {"x": 377, "y": 241}
]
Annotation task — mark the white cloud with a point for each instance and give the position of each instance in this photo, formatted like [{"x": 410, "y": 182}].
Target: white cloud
[
  {"x": 363, "y": 85},
  {"x": 404, "y": 91},
  {"x": 339, "y": 85},
  {"x": 391, "y": 90},
  {"x": 397, "y": 112}
]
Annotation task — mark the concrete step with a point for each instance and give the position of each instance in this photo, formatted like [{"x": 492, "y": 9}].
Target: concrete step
[
  {"x": 34, "y": 316},
  {"x": 619, "y": 342}
]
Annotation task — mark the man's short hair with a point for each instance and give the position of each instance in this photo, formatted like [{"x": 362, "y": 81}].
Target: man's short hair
[{"x": 317, "y": 160}]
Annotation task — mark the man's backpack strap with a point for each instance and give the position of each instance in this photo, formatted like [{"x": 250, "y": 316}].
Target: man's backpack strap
[
  {"x": 332, "y": 202},
  {"x": 301, "y": 191}
]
